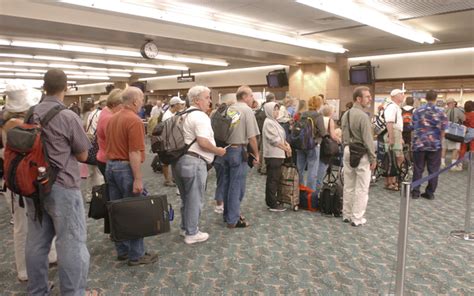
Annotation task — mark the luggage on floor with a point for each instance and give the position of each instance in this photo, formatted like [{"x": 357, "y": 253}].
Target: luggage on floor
[
  {"x": 97, "y": 207},
  {"x": 156, "y": 165},
  {"x": 330, "y": 198},
  {"x": 137, "y": 217},
  {"x": 308, "y": 199},
  {"x": 288, "y": 187}
]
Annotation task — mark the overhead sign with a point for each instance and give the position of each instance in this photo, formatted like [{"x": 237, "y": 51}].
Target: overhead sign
[{"x": 189, "y": 78}]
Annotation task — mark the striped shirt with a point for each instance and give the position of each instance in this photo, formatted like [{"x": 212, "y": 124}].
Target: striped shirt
[{"x": 65, "y": 137}]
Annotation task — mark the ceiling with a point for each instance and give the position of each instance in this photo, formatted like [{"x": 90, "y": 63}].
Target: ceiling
[{"x": 451, "y": 22}]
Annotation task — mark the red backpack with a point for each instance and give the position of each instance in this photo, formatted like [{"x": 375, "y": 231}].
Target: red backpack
[
  {"x": 407, "y": 116},
  {"x": 25, "y": 156}
]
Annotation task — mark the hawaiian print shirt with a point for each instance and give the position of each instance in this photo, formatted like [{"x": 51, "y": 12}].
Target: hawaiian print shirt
[{"x": 428, "y": 123}]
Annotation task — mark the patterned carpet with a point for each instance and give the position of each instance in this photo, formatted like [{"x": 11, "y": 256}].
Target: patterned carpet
[{"x": 289, "y": 253}]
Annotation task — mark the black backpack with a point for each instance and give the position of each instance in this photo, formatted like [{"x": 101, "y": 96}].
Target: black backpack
[
  {"x": 330, "y": 198},
  {"x": 260, "y": 116},
  {"x": 221, "y": 124}
]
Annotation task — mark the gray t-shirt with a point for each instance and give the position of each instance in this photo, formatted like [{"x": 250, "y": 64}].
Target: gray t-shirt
[
  {"x": 244, "y": 124},
  {"x": 455, "y": 115},
  {"x": 65, "y": 137}
]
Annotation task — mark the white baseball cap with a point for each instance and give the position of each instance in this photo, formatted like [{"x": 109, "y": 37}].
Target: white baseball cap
[
  {"x": 20, "y": 97},
  {"x": 396, "y": 92},
  {"x": 176, "y": 100}
]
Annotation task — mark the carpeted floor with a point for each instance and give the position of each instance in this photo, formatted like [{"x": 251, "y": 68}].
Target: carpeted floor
[{"x": 289, "y": 253}]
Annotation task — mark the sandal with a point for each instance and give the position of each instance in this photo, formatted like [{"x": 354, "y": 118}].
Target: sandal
[
  {"x": 392, "y": 187},
  {"x": 239, "y": 224}
]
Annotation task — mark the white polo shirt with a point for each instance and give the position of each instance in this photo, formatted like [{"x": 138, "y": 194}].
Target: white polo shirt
[
  {"x": 198, "y": 124},
  {"x": 393, "y": 113}
]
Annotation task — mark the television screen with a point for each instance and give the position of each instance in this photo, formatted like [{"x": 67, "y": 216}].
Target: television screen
[
  {"x": 272, "y": 81},
  {"x": 360, "y": 76},
  {"x": 277, "y": 79}
]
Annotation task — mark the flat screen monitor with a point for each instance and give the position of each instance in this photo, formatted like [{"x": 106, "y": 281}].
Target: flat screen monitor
[
  {"x": 360, "y": 75},
  {"x": 277, "y": 79}
]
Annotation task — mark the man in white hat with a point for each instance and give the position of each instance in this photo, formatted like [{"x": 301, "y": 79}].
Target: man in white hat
[
  {"x": 20, "y": 98},
  {"x": 393, "y": 138},
  {"x": 176, "y": 105}
]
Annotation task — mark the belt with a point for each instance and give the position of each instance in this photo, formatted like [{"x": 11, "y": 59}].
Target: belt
[
  {"x": 194, "y": 154},
  {"x": 237, "y": 145},
  {"x": 120, "y": 160}
]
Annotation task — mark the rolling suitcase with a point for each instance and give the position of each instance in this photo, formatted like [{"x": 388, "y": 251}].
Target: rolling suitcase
[
  {"x": 288, "y": 187},
  {"x": 137, "y": 217}
]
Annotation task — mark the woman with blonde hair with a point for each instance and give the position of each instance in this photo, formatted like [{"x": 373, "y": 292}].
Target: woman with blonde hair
[{"x": 309, "y": 157}]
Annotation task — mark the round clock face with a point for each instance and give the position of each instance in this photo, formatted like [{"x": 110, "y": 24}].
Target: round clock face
[{"x": 149, "y": 50}]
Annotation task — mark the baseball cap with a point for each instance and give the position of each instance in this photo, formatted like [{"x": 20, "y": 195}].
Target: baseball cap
[
  {"x": 396, "y": 92},
  {"x": 176, "y": 100},
  {"x": 20, "y": 97}
]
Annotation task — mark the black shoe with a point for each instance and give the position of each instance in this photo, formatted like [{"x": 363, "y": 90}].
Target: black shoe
[
  {"x": 278, "y": 208},
  {"x": 122, "y": 257},
  {"x": 355, "y": 225},
  {"x": 346, "y": 220},
  {"x": 428, "y": 196},
  {"x": 145, "y": 259},
  {"x": 415, "y": 195}
]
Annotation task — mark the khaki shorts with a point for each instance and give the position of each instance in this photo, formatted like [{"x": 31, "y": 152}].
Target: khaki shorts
[
  {"x": 450, "y": 145},
  {"x": 397, "y": 146}
]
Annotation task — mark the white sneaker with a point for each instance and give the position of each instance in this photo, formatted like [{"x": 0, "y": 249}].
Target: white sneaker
[
  {"x": 219, "y": 209},
  {"x": 197, "y": 238},
  {"x": 456, "y": 169},
  {"x": 177, "y": 191},
  {"x": 182, "y": 233}
]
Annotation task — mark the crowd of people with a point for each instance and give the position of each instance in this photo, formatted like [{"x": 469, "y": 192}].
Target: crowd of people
[{"x": 120, "y": 133}]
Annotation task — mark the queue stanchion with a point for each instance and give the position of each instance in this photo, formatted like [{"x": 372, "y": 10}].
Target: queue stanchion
[
  {"x": 402, "y": 238},
  {"x": 467, "y": 233}
]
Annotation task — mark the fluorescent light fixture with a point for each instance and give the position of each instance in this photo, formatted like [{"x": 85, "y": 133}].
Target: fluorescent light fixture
[
  {"x": 51, "y": 58},
  {"x": 271, "y": 67},
  {"x": 119, "y": 52},
  {"x": 414, "y": 54},
  {"x": 89, "y": 77},
  {"x": 184, "y": 59},
  {"x": 34, "y": 44},
  {"x": 21, "y": 74},
  {"x": 14, "y": 55},
  {"x": 26, "y": 64},
  {"x": 144, "y": 71},
  {"x": 204, "y": 21},
  {"x": 63, "y": 66},
  {"x": 80, "y": 48},
  {"x": 370, "y": 17},
  {"x": 14, "y": 69},
  {"x": 93, "y": 84},
  {"x": 4, "y": 42}
]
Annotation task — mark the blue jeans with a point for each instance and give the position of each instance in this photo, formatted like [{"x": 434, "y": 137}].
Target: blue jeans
[
  {"x": 322, "y": 168},
  {"x": 233, "y": 176},
  {"x": 308, "y": 158},
  {"x": 219, "y": 167},
  {"x": 63, "y": 216},
  {"x": 190, "y": 174},
  {"x": 120, "y": 183}
]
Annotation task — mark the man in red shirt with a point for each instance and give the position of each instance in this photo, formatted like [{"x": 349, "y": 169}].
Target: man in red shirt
[{"x": 125, "y": 151}]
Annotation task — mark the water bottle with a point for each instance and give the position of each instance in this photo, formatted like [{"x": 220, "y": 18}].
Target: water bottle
[{"x": 42, "y": 175}]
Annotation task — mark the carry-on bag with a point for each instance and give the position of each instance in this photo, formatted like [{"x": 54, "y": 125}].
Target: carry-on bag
[
  {"x": 137, "y": 217},
  {"x": 308, "y": 199},
  {"x": 330, "y": 198},
  {"x": 288, "y": 188},
  {"x": 97, "y": 207}
]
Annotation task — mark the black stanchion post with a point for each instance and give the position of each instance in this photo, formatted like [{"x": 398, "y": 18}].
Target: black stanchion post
[
  {"x": 402, "y": 238},
  {"x": 466, "y": 234}
]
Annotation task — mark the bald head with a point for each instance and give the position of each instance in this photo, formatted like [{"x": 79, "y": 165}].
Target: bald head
[{"x": 133, "y": 97}]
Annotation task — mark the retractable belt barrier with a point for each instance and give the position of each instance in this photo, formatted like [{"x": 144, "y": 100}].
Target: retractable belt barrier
[{"x": 465, "y": 234}]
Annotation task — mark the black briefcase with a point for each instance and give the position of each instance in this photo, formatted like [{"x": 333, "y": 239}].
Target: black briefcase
[
  {"x": 97, "y": 207},
  {"x": 137, "y": 217}
]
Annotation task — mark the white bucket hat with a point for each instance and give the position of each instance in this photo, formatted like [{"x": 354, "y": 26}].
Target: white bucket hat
[{"x": 20, "y": 97}]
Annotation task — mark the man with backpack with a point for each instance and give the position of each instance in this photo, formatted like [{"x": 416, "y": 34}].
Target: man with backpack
[
  {"x": 125, "y": 150},
  {"x": 393, "y": 137},
  {"x": 190, "y": 170},
  {"x": 62, "y": 209},
  {"x": 455, "y": 115}
]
